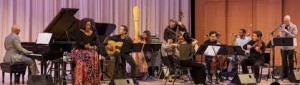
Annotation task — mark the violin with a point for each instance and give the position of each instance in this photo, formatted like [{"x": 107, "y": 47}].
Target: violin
[{"x": 258, "y": 43}]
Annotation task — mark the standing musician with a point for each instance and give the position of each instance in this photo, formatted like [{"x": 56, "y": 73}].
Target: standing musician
[
  {"x": 288, "y": 29},
  {"x": 125, "y": 50},
  {"x": 256, "y": 58},
  {"x": 212, "y": 40},
  {"x": 172, "y": 29},
  {"x": 184, "y": 52}
]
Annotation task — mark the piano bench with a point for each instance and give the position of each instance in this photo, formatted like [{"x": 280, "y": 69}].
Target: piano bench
[{"x": 13, "y": 68}]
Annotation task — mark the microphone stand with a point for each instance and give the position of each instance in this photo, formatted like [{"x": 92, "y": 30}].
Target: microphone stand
[{"x": 97, "y": 43}]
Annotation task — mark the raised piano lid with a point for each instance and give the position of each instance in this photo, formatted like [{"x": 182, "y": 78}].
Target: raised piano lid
[
  {"x": 64, "y": 25},
  {"x": 105, "y": 28}
]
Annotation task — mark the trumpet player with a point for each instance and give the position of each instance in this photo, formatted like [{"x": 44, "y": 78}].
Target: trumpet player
[{"x": 239, "y": 40}]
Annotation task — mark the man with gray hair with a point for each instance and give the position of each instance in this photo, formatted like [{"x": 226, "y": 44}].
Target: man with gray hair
[
  {"x": 14, "y": 51},
  {"x": 288, "y": 30}
]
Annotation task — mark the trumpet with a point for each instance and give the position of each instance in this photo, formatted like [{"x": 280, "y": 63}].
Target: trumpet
[{"x": 235, "y": 36}]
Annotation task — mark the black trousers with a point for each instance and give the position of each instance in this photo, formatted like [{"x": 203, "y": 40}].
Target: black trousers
[
  {"x": 287, "y": 60},
  {"x": 197, "y": 72},
  {"x": 121, "y": 62},
  {"x": 255, "y": 64}
]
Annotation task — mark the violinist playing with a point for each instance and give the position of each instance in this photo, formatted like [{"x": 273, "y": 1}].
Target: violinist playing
[{"x": 256, "y": 58}]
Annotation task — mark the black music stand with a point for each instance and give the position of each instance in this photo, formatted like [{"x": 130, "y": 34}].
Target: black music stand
[
  {"x": 201, "y": 50},
  {"x": 152, "y": 47},
  {"x": 280, "y": 41},
  {"x": 214, "y": 50},
  {"x": 230, "y": 50},
  {"x": 137, "y": 47},
  {"x": 236, "y": 51}
]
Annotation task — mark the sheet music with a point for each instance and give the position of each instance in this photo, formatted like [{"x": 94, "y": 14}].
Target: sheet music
[
  {"x": 43, "y": 38},
  {"x": 211, "y": 50}
]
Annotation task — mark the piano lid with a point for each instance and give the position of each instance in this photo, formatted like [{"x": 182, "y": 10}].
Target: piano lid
[
  {"x": 105, "y": 28},
  {"x": 64, "y": 24}
]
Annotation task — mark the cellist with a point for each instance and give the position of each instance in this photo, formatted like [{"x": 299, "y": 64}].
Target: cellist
[{"x": 210, "y": 60}]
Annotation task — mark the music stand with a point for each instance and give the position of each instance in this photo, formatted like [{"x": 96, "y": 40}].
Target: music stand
[
  {"x": 138, "y": 47},
  {"x": 281, "y": 41},
  {"x": 153, "y": 46},
  {"x": 230, "y": 50},
  {"x": 236, "y": 51}
]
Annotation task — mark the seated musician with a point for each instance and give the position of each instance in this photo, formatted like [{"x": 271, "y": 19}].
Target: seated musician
[
  {"x": 184, "y": 52},
  {"x": 167, "y": 51},
  {"x": 256, "y": 58},
  {"x": 212, "y": 40},
  {"x": 86, "y": 71},
  {"x": 14, "y": 52},
  {"x": 125, "y": 50},
  {"x": 151, "y": 57}
]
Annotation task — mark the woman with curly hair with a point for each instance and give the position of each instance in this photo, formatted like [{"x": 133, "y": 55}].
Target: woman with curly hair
[{"x": 86, "y": 71}]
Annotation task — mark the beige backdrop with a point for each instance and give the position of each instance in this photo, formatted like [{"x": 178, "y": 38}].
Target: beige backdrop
[{"x": 228, "y": 16}]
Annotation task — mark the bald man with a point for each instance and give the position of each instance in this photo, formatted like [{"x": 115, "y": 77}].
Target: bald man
[
  {"x": 288, "y": 30},
  {"x": 14, "y": 51}
]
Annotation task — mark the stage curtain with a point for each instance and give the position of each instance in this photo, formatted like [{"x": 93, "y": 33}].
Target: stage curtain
[{"x": 34, "y": 15}]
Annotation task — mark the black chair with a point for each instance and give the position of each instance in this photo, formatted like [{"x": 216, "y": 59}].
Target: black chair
[{"x": 13, "y": 68}]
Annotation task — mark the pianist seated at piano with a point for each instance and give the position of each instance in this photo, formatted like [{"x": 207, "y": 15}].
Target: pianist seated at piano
[
  {"x": 86, "y": 59},
  {"x": 16, "y": 53}
]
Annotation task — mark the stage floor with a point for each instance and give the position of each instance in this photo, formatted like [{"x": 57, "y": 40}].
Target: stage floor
[{"x": 162, "y": 82}]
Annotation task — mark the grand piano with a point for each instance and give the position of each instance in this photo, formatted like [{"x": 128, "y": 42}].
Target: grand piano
[{"x": 63, "y": 28}]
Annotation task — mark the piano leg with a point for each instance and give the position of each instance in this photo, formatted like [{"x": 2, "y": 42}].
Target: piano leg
[{"x": 43, "y": 67}]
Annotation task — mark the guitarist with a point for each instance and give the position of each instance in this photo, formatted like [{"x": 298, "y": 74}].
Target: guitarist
[
  {"x": 170, "y": 31},
  {"x": 124, "y": 54}
]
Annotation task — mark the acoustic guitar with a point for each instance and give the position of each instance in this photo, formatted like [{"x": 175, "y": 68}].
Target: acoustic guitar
[{"x": 116, "y": 47}]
